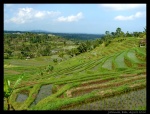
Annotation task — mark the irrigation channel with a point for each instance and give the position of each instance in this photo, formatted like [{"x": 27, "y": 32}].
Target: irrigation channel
[{"x": 127, "y": 101}]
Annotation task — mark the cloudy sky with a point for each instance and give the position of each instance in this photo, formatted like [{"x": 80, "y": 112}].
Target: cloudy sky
[{"x": 75, "y": 18}]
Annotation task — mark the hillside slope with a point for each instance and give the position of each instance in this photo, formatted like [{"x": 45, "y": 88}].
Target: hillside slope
[{"x": 105, "y": 71}]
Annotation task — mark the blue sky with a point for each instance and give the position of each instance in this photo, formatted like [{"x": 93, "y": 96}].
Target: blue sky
[{"x": 75, "y": 18}]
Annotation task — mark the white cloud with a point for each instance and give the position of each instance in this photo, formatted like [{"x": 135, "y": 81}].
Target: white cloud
[
  {"x": 124, "y": 17},
  {"x": 71, "y": 18},
  {"x": 39, "y": 14},
  {"x": 122, "y": 6},
  {"x": 28, "y": 14},
  {"x": 131, "y": 17},
  {"x": 23, "y": 15},
  {"x": 139, "y": 14}
]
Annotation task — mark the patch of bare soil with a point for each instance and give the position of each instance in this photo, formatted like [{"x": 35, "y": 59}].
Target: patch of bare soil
[
  {"x": 25, "y": 92},
  {"x": 132, "y": 75},
  {"x": 141, "y": 65},
  {"x": 28, "y": 83},
  {"x": 95, "y": 82},
  {"x": 128, "y": 75},
  {"x": 81, "y": 91},
  {"x": 62, "y": 96}
]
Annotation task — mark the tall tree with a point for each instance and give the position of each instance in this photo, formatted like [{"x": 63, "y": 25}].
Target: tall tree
[
  {"x": 118, "y": 31},
  {"x": 113, "y": 34},
  {"x": 107, "y": 34},
  {"x": 136, "y": 34},
  {"x": 82, "y": 48}
]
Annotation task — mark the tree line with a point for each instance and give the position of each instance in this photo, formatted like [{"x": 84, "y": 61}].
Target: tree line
[{"x": 30, "y": 44}]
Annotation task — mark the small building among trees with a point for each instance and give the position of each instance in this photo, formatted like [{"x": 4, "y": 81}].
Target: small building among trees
[
  {"x": 28, "y": 57},
  {"x": 142, "y": 43}
]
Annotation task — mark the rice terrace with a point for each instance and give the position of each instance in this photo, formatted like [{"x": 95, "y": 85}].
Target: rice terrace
[{"x": 70, "y": 71}]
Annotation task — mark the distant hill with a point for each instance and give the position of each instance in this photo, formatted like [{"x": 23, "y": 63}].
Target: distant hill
[
  {"x": 74, "y": 36},
  {"x": 79, "y": 36},
  {"x": 33, "y": 31}
]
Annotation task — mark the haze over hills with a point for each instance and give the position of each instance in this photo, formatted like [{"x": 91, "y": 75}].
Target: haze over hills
[
  {"x": 77, "y": 36},
  {"x": 34, "y": 31}
]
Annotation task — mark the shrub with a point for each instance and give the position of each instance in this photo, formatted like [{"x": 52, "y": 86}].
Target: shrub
[
  {"x": 18, "y": 55},
  {"x": 55, "y": 60},
  {"x": 49, "y": 68},
  {"x": 107, "y": 42},
  {"x": 61, "y": 54}
]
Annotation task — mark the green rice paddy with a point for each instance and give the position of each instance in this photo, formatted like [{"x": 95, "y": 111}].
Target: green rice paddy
[{"x": 102, "y": 79}]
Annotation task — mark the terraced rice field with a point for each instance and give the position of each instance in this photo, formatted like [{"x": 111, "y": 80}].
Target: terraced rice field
[
  {"x": 120, "y": 61},
  {"x": 108, "y": 64},
  {"x": 44, "y": 91},
  {"x": 132, "y": 56},
  {"x": 100, "y": 85},
  {"x": 21, "y": 97},
  {"x": 127, "y": 101},
  {"x": 96, "y": 84}
]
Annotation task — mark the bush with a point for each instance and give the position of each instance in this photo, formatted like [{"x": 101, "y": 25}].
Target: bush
[
  {"x": 55, "y": 60},
  {"x": 61, "y": 54},
  {"x": 49, "y": 68},
  {"x": 107, "y": 43},
  {"x": 18, "y": 55}
]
